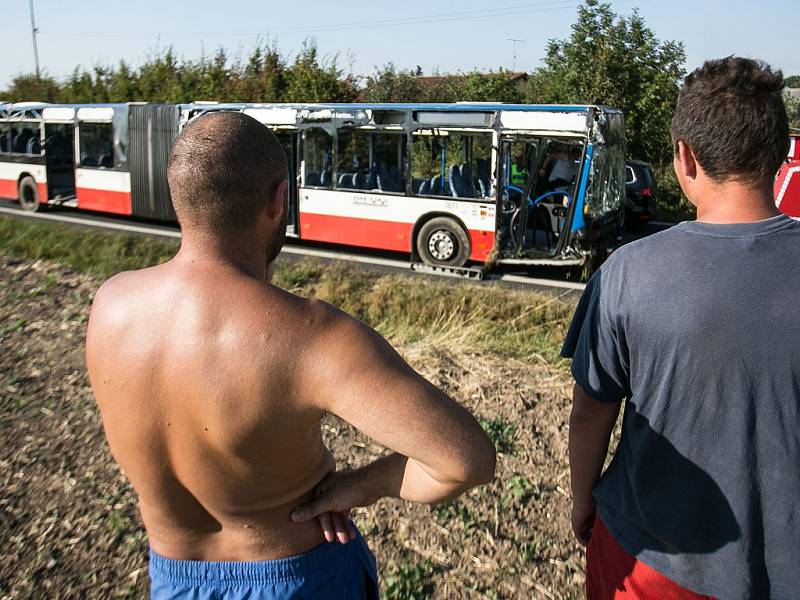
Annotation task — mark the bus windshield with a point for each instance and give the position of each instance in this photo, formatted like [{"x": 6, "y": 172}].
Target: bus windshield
[{"x": 605, "y": 192}]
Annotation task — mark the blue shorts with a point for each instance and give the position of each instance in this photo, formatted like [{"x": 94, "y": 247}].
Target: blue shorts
[{"x": 331, "y": 570}]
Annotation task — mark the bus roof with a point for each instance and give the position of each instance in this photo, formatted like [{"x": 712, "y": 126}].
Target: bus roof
[{"x": 456, "y": 106}]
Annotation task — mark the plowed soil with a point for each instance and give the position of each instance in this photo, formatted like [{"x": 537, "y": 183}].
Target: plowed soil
[{"x": 69, "y": 527}]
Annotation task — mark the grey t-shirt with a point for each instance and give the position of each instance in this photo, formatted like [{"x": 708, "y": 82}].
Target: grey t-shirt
[{"x": 698, "y": 327}]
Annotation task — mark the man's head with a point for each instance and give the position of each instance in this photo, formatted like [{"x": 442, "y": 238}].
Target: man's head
[
  {"x": 730, "y": 125},
  {"x": 227, "y": 176}
]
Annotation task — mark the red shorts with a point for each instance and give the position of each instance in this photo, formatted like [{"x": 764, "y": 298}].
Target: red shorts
[{"x": 612, "y": 573}]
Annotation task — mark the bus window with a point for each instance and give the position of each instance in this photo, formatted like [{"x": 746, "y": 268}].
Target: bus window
[
  {"x": 5, "y": 138},
  {"x": 449, "y": 163},
  {"x": 26, "y": 138},
  {"x": 352, "y": 160},
  {"x": 318, "y": 158},
  {"x": 371, "y": 161},
  {"x": 97, "y": 145}
]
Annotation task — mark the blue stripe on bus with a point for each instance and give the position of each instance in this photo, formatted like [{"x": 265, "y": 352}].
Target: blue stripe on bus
[{"x": 577, "y": 221}]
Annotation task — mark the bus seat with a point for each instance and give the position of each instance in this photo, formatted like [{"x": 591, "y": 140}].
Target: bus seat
[
  {"x": 436, "y": 185},
  {"x": 345, "y": 180},
  {"x": 107, "y": 161},
  {"x": 33, "y": 146},
  {"x": 395, "y": 180},
  {"x": 325, "y": 178},
  {"x": 89, "y": 161},
  {"x": 482, "y": 170},
  {"x": 424, "y": 188},
  {"x": 457, "y": 188},
  {"x": 359, "y": 181},
  {"x": 466, "y": 180},
  {"x": 312, "y": 179},
  {"x": 445, "y": 188}
]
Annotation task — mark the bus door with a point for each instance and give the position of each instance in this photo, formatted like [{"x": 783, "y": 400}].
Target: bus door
[
  {"x": 543, "y": 171},
  {"x": 523, "y": 225},
  {"x": 289, "y": 141},
  {"x": 59, "y": 150}
]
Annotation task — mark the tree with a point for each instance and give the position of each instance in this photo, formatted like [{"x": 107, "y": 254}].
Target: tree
[
  {"x": 28, "y": 87},
  {"x": 493, "y": 86},
  {"x": 390, "y": 85},
  {"x": 793, "y": 81},
  {"x": 617, "y": 61},
  {"x": 312, "y": 80}
]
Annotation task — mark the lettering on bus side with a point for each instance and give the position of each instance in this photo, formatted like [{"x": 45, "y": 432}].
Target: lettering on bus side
[{"x": 376, "y": 201}]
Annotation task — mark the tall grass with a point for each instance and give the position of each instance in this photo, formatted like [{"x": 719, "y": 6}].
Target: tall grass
[
  {"x": 407, "y": 309},
  {"x": 89, "y": 251}
]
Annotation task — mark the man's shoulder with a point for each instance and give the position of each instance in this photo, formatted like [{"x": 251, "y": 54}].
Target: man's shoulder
[
  {"x": 125, "y": 289},
  {"x": 657, "y": 245}
]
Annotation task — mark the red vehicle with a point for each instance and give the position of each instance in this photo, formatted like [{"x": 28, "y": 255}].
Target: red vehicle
[{"x": 787, "y": 184}]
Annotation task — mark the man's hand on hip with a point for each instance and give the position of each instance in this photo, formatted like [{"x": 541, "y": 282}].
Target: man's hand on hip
[{"x": 334, "y": 498}]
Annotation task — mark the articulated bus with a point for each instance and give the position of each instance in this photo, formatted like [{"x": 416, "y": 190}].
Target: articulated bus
[{"x": 446, "y": 184}]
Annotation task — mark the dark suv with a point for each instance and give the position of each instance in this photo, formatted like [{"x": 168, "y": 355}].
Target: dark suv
[{"x": 640, "y": 189}]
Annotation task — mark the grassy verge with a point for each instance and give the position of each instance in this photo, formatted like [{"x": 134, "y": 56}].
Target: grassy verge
[{"x": 405, "y": 309}]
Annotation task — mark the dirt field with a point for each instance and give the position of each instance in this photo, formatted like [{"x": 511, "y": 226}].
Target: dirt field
[{"x": 69, "y": 526}]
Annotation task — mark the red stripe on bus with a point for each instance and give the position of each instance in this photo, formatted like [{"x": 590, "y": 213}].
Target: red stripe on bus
[
  {"x": 118, "y": 203},
  {"x": 482, "y": 243},
  {"x": 8, "y": 188},
  {"x": 367, "y": 233},
  {"x": 381, "y": 235}
]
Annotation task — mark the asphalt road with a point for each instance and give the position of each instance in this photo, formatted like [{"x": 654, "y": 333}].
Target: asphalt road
[{"x": 542, "y": 279}]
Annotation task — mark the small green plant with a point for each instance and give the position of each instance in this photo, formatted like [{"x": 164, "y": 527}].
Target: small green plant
[
  {"x": 409, "y": 581},
  {"x": 520, "y": 487},
  {"x": 502, "y": 434},
  {"x": 117, "y": 522},
  {"x": 15, "y": 326},
  {"x": 447, "y": 511}
]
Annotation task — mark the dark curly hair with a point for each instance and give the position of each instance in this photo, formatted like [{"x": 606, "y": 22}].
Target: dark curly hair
[{"x": 732, "y": 115}]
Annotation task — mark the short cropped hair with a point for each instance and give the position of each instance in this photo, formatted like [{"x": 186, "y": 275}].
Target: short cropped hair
[
  {"x": 223, "y": 169},
  {"x": 732, "y": 115}
]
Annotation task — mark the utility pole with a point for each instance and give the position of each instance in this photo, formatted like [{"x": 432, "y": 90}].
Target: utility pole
[
  {"x": 34, "y": 31},
  {"x": 515, "y": 42}
]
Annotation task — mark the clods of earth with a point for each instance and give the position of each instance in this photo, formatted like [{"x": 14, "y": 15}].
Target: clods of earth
[{"x": 69, "y": 526}]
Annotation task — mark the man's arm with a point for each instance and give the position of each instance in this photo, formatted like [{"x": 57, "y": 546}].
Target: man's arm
[
  {"x": 440, "y": 449},
  {"x": 590, "y": 426}
]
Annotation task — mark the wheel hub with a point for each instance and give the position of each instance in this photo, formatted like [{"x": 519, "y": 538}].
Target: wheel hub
[{"x": 441, "y": 245}]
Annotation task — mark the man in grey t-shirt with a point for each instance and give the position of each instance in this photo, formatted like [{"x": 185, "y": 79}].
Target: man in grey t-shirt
[{"x": 696, "y": 329}]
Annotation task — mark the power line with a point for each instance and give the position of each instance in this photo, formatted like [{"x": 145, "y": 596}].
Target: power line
[{"x": 420, "y": 20}]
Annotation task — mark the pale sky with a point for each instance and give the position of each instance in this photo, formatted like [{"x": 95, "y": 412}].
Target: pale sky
[{"x": 434, "y": 34}]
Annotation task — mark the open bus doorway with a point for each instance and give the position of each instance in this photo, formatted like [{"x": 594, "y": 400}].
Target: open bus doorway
[
  {"x": 538, "y": 183},
  {"x": 288, "y": 140},
  {"x": 59, "y": 145}
]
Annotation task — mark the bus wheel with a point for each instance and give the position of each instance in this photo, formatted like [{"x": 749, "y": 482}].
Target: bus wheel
[
  {"x": 28, "y": 194},
  {"x": 442, "y": 241}
]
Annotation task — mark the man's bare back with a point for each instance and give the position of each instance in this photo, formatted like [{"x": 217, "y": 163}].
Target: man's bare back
[
  {"x": 212, "y": 384},
  {"x": 194, "y": 371}
]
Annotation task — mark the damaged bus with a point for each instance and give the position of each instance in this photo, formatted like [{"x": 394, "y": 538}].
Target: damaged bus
[{"x": 453, "y": 186}]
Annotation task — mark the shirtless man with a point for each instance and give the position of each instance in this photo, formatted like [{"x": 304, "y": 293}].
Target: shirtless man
[{"x": 212, "y": 382}]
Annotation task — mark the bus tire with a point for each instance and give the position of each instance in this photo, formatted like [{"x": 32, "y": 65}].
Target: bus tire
[
  {"x": 443, "y": 242},
  {"x": 28, "y": 194}
]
